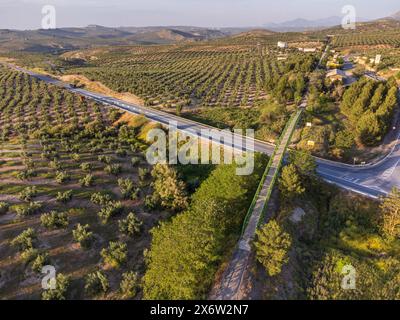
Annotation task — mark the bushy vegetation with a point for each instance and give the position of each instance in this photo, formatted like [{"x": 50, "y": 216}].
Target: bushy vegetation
[
  {"x": 271, "y": 246},
  {"x": 169, "y": 191},
  {"x": 129, "y": 285},
  {"x": 28, "y": 209},
  {"x": 96, "y": 283},
  {"x": 390, "y": 217},
  {"x": 110, "y": 210},
  {"x": 115, "y": 255},
  {"x": 64, "y": 197},
  {"x": 369, "y": 107},
  {"x": 186, "y": 252},
  {"x": 130, "y": 226},
  {"x": 54, "y": 220},
  {"x": 25, "y": 240},
  {"x": 4, "y": 206},
  {"x": 60, "y": 292},
  {"x": 83, "y": 235},
  {"x": 341, "y": 233}
]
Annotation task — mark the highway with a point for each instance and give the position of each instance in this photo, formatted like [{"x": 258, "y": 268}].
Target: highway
[{"x": 372, "y": 180}]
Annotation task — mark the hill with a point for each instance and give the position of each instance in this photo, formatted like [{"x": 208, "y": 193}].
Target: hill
[
  {"x": 304, "y": 24},
  {"x": 395, "y": 16},
  {"x": 64, "y": 39}
]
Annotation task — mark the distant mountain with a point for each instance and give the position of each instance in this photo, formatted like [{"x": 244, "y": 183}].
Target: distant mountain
[
  {"x": 395, "y": 16},
  {"x": 63, "y": 39},
  {"x": 306, "y": 25},
  {"x": 255, "y": 33}
]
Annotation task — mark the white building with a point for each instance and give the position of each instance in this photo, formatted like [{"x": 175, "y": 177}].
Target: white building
[
  {"x": 282, "y": 45},
  {"x": 307, "y": 49}
]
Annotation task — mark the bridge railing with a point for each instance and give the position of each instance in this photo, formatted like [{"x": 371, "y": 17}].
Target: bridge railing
[
  {"x": 265, "y": 174},
  {"x": 278, "y": 168}
]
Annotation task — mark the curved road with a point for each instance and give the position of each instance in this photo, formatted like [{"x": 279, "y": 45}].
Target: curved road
[{"x": 371, "y": 180}]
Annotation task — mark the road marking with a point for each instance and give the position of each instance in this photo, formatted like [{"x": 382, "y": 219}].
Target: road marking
[{"x": 389, "y": 172}]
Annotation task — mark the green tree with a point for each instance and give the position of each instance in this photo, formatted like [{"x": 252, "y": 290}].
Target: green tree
[
  {"x": 344, "y": 140},
  {"x": 54, "y": 220},
  {"x": 4, "y": 206},
  {"x": 272, "y": 245},
  {"x": 131, "y": 225},
  {"x": 110, "y": 210},
  {"x": 129, "y": 285},
  {"x": 168, "y": 189},
  {"x": 64, "y": 197},
  {"x": 96, "y": 282},
  {"x": 115, "y": 255},
  {"x": 390, "y": 211},
  {"x": 83, "y": 235},
  {"x": 185, "y": 252},
  {"x": 304, "y": 163},
  {"x": 59, "y": 293},
  {"x": 368, "y": 129},
  {"x": 24, "y": 240},
  {"x": 290, "y": 182}
]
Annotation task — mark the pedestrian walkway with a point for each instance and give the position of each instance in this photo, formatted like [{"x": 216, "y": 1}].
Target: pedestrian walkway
[{"x": 232, "y": 281}]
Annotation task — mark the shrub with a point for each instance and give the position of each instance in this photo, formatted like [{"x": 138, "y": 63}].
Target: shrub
[
  {"x": 29, "y": 255},
  {"x": 26, "y": 174},
  {"x": 64, "y": 197},
  {"x": 83, "y": 235},
  {"x": 59, "y": 293},
  {"x": 30, "y": 209},
  {"x": 127, "y": 188},
  {"x": 24, "y": 240},
  {"x": 87, "y": 181},
  {"x": 290, "y": 182},
  {"x": 114, "y": 169},
  {"x": 143, "y": 173},
  {"x": 54, "y": 220},
  {"x": 390, "y": 215},
  {"x": 40, "y": 261},
  {"x": 115, "y": 255},
  {"x": 129, "y": 285},
  {"x": 96, "y": 282},
  {"x": 62, "y": 177},
  {"x": 55, "y": 164},
  {"x": 169, "y": 191},
  {"x": 105, "y": 159},
  {"x": 151, "y": 203},
  {"x": 111, "y": 209},
  {"x": 76, "y": 157},
  {"x": 28, "y": 193},
  {"x": 272, "y": 246},
  {"x": 121, "y": 152},
  {"x": 100, "y": 199},
  {"x": 4, "y": 206},
  {"x": 135, "y": 161},
  {"x": 131, "y": 225},
  {"x": 87, "y": 167},
  {"x": 29, "y": 163}
]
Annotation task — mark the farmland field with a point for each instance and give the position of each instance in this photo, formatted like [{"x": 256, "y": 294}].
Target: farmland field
[
  {"x": 198, "y": 76},
  {"x": 72, "y": 193}
]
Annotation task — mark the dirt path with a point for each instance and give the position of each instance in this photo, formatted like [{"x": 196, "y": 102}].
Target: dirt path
[{"x": 99, "y": 87}]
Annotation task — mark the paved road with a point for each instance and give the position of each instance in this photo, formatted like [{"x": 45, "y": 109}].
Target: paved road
[{"x": 372, "y": 181}]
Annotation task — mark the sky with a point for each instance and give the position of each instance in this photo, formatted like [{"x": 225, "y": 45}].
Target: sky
[{"x": 26, "y": 14}]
